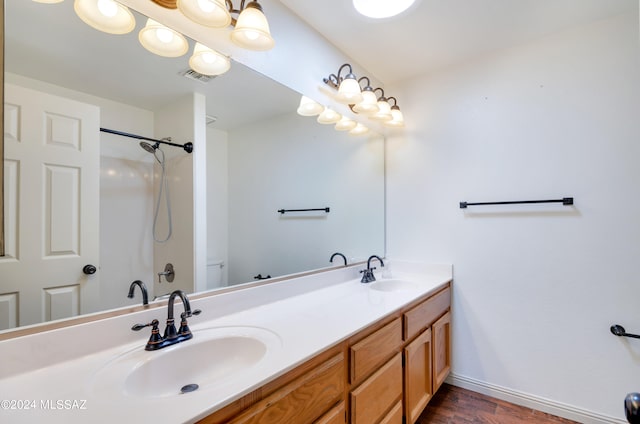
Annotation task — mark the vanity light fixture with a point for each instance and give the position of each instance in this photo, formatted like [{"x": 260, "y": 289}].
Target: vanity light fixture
[
  {"x": 378, "y": 9},
  {"x": 364, "y": 100},
  {"x": 207, "y": 61},
  {"x": 309, "y": 107},
  {"x": 359, "y": 130},
  {"x": 105, "y": 15},
  {"x": 161, "y": 40},
  {"x": 369, "y": 103},
  {"x": 211, "y": 13},
  {"x": 251, "y": 28},
  {"x": 329, "y": 116},
  {"x": 384, "y": 112},
  {"x": 349, "y": 91},
  {"x": 397, "y": 120},
  {"x": 346, "y": 124},
  {"x": 48, "y": 1}
]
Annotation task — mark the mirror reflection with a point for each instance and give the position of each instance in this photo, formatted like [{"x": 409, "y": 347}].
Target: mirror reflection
[{"x": 78, "y": 197}]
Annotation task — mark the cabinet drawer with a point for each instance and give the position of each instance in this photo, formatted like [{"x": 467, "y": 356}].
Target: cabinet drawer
[
  {"x": 373, "y": 350},
  {"x": 423, "y": 315},
  {"x": 303, "y": 400},
  {"x": 378, "y": 394},
  {"x": 394, "y": 416},
  {"x": 337, "y": 415}
]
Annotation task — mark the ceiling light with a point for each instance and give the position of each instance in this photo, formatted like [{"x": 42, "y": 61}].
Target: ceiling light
[
  {"x": 359, "y": 130},
  {"x": 211, "y": 13},
  {"x": 397, "y": 120},
  {"x": 105, "y": 15},
  {"x": 48, "y": 1},
  {"x": 252, "y": 29},
  {"x": 162, "y": 40},
  {"x": 378, "y": 9},
  {"x": 207, "y": 61},
  {"x": 329, "y": 116},
  {"x": 345, "y": 124},
  {"x": 309, "y": 107}
]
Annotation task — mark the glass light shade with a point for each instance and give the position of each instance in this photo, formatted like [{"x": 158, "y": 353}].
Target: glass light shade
[
  {"x": 211, "y": 13},
  {"x": 378, "y": 9},
  {"x": 359, "y": 130},
  {"x": 384, "y": 114},
  {"x": 309, "y": 107},
  {"x": 397, "y": 120},
  {"x": 163, "y": 41},
  {"x": 329, "y": 116},
  {"x": 207, "y": 61},
  {"x": 48, "y": 1},
  {"x": 368, "y": 105},
  {"x": 105, "y": 15},
  {"x": 345, "y": 124},
  {"x": 349, "y": 91},
  {"x": 252, "y": 30}
]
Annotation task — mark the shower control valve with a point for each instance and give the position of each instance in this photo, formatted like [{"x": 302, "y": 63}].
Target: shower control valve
[{"x": 169, "y": 273}]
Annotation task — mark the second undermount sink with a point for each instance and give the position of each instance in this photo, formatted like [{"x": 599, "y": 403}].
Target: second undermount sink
[
  {"x": 393, "y": 285},
  {"x": 210, "y": 359}
]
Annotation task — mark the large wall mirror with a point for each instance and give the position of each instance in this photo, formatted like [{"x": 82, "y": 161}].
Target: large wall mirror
[{"x": 77, "y": 196}]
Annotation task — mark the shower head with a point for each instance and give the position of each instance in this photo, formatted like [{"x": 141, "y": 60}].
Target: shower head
[{"x": 151, "y": 148}]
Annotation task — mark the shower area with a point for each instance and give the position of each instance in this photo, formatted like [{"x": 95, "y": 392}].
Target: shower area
[{"x": 146, "y": 202}]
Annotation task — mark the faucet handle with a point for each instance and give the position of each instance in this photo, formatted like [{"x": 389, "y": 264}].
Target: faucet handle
[
  {"x": 185, "y": 331},
  {"x": 138, "y": 327}
]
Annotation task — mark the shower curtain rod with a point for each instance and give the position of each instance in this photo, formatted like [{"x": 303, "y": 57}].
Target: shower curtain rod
[{"x": 188, "y": 147}]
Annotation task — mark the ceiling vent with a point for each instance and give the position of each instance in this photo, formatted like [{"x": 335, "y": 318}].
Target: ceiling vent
[{"x": 191, "y": 74}]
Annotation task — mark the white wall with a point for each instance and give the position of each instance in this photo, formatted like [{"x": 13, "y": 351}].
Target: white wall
[
  {"x": 536, "y": 288},
  {"x": 218, "y": 200},
  {"x": 292, "y": 162}
]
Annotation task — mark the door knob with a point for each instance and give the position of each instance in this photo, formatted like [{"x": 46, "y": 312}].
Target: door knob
[{"x": 89, "y": 269}]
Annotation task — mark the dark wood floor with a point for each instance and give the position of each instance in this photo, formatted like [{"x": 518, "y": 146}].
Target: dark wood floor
[{"x": 453, "y": 405}]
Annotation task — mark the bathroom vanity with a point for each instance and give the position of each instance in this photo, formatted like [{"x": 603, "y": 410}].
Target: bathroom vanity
[
  {"x": 360, "y": 380},
  {"x": 323, "y": 348}
]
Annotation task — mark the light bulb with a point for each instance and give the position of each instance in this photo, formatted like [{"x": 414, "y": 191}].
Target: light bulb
[
  {"x": 164, "y": 35},
  {"x": 108, "y": 8}
]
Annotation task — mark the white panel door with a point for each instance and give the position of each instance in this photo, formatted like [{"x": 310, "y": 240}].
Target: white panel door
[{"x": 52, "y": 165}]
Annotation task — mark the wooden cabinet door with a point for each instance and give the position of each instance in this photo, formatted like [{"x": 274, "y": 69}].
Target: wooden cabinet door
[
  {"x": 441, "y": 350},
  {"x": 418, "y": 386},
  {"x": 378, "y": 394}
]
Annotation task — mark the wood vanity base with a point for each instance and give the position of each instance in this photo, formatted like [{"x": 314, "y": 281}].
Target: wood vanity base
[{"x": 387, "y": 371}]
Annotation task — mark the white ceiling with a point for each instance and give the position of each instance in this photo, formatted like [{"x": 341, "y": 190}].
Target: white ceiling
[{"x": 434, "y": 34}]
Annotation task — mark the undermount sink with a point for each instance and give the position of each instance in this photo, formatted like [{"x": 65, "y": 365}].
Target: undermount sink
[
  {"x": 208, "y": 360},
  {"x": 393, "y": 285}
]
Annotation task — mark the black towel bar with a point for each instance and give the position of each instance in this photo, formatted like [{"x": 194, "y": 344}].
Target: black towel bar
[
  {"x": 619, "y": 331},
  {"x": 565, "y": 201},
  {"x": 283, "y": 211}
]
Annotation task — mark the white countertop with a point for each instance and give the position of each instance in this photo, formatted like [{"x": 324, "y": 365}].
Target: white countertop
[{"x": 304, "y": 324}]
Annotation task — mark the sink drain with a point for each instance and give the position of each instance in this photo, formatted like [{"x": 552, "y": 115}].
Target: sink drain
[{"x": 189, "y": 388}]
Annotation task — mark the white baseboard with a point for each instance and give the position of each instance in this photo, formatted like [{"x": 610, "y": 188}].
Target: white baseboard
[{"x": 534, "y": 402}]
